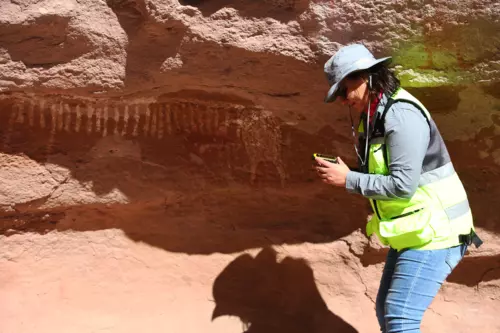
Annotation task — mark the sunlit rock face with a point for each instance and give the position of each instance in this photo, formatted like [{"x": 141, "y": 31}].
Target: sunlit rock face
[{"x": 156, "y": 162}]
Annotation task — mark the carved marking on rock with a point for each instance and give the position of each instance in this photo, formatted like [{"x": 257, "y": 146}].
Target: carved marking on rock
[
  {"x": 97, "y": 113},
  {"x": 206, "y": 121},
  {"x": 161, "y": 122},
  {"x": 168, "y": 119},
  {"x": 188, "y": 118},
  {"x": 193, "y": 127},
  {"x": 42, "y": 114},
  {"x": 31, "y": 114},
  {"x": 183, "y": 118},
  {"x": 154, "y": 115},
  {"x": 223, "y": 127},
  {"x": 90, "y": 114},
  {"x": 147, "y": 122},
  {"x": 198, "y": 115},
  {"x": 136, "y": 120},
  {"x": 53, "y": 128},
  {"x": 215, "y": 118},
  {"x": 255, "y": 131},
  {"x": 116, "y": 118},
  {"x": 60, "y": 115},
  {"x": 176, "y": 112},
  {"x": 20, "y": 113},
  {"x": 67, "y": 120},
  {"x": 78, "y": 118},
  {"x": 261, "y": 136},
  {"x": 125, "y": 121},
  {"x": 104, "y": 120},
  {"x": 178, "y": 118},
  {"x": 12, "y": 120}
]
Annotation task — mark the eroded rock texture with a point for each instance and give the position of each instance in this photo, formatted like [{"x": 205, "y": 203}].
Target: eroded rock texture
[{"x": 156, "y": 162}]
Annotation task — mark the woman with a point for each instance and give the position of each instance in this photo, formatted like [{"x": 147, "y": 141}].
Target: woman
[{"x": 420, "y": 206}]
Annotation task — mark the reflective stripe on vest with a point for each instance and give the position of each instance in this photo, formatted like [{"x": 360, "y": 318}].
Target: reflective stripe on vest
[{"x": 433, "y": 217}]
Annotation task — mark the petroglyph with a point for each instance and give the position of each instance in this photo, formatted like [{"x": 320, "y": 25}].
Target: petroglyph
[
  {"x": 125, "y": 120},
  {"x": 261, "y": 136},
  {"x": 213, "y": 124},
  {"x": 60, "y": 114},
  {"x": 146, "y": 123},
  {"x": 90, "y": 114},
  {"x": 42, "y": 116},
  {"x": 136, "y": 120},
  {"x": 10, "y": 127},
  {"x": 31, "y": 114},
  {"x": 67, "y": 118},
  {"x": 161, "y": 121},
  {"x": 98, "y": 117},
  {"x": 78, "y": 119},
  {"x": 104, "y": 121},
  {"x": 50, "y": 144}
]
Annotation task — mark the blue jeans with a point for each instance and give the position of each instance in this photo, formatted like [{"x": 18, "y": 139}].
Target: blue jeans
[{"x": 410, "y": 281}]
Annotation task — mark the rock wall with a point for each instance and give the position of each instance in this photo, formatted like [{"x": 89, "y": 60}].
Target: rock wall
[{"x": 156, "y": 162}]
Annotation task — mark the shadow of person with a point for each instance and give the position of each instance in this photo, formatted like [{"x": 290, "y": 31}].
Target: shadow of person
[{"x": 270, "y": 296}]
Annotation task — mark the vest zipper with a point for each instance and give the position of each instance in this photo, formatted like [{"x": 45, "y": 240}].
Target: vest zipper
[{"x": 406, "y": 214}]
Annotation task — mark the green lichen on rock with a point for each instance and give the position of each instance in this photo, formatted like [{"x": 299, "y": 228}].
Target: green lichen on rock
[
  {"x": 419, "y": 78},
  {"x": 443, "y": 59},
  {"x": 411, "y": 56},
  {"x": 420, "y": 56},
  {"x": 415, "y": 78},
  {"x": 450, "y": 53},
  {"x": 418, "y": 65}
]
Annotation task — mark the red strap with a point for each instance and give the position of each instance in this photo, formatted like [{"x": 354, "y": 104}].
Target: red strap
[{"x": 373, "y": 106}]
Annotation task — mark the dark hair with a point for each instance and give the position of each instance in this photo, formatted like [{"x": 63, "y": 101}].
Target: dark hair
[{"x": 383, "y": 79}]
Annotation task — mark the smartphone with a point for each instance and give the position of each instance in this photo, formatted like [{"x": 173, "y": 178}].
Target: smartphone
[{"x": 330, "y": 159}]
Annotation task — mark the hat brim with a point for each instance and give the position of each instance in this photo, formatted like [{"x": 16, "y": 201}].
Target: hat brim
[{"x": 330, "y": 96}]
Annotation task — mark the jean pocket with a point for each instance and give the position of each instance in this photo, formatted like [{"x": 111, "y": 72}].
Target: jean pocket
[{"x": 455, "y": 255}]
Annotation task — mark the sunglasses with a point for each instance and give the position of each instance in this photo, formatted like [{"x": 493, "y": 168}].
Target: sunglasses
[
  {"x": 342, "y": 89},
  {"x": 341, "y": 92}
]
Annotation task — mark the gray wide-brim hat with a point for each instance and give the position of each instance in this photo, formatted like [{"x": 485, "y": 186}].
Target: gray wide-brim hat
[{"x": 347, "y": 60}]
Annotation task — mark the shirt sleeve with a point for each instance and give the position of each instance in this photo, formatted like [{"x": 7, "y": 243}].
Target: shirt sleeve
[{"x": 407, "y": 136}]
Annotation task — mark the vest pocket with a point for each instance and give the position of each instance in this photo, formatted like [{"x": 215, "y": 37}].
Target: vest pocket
[
  {"x": 441, "y": 224},
  {"x": 377, "y": 161},
  {"x": 406, "y": 214},
  {"x": 408, "y": 230}
]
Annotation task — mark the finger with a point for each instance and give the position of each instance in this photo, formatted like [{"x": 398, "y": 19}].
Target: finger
[
  {"x": 341, "y": 162},
  {"x": 321, "y": 169},
  {"x": 323, "y": 162},
  {"x": 325, "y": 176}
]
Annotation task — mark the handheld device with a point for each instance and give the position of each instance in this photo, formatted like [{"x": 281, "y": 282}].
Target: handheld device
[{"x": 330, "y": 159}]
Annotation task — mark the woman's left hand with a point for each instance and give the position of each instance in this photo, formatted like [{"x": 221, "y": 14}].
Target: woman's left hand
[{"x": 331, "y": 173}]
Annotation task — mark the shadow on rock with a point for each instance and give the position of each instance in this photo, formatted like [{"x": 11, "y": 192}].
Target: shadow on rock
[
  {"x": 473, "y": 270},
  {"x": 226, "y": 221},
  {"x": 270, "y": 296},
  {"x": 33, "y": 43},
  {"x": 213, "y": 183},
  {"x": 282, "y": 10},
  {"x": 144, "y": 35}
]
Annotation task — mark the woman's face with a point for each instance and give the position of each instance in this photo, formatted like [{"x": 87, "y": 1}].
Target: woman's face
[{"x": 354, "y": 93}]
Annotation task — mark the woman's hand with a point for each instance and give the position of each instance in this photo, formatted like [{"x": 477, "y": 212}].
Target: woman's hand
[{"x": 331, "y": 173}]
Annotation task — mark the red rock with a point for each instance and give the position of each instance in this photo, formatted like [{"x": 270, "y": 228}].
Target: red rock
[{"x": 156, "y": 173}]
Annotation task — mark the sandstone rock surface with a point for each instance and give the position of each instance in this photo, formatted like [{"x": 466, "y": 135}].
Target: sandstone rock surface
[{"x": 155, "y": 162}]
